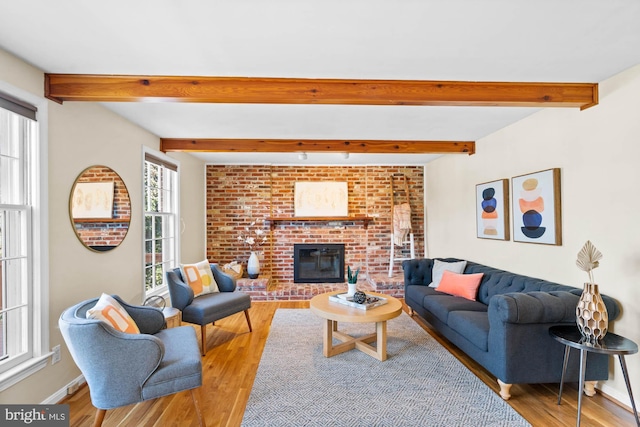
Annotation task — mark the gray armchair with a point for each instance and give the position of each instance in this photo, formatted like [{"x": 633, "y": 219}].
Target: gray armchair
[
  {"x": 123, "y": 369},
  {"x": 207, "y": 308}
]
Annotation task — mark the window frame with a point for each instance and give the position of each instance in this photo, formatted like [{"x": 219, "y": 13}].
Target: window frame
[
  {"x": 165, "y": 161},
  {"x": 38, "y": 243}
]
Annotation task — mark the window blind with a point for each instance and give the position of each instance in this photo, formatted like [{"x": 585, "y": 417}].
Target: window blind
[
  {"x": 158, "y": 161},
  {"x": 16, "y": 106}
]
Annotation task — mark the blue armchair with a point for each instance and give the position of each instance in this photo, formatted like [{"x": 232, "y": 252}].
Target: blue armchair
[
  {"x": 123, "y": 369},
  {"x": 208, "y": 308}
]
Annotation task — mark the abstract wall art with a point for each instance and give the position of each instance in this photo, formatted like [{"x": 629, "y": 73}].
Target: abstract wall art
[
  {"x": 492, "y": 213},
  {"x": 324, "y": 198},
  {"x": 92, "y": 200},
  {"x": 536, "y": 207}
]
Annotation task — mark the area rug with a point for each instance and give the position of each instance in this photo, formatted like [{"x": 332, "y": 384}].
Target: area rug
[{"x": 420, "y": 384}]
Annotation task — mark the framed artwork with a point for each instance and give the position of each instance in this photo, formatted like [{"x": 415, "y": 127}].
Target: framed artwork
[
  {"x": 321, "y": 198},
  {"x": 92, "y": 200},
  {"x": 492, "y": 210},
  {"x": 536, "y": 207}
]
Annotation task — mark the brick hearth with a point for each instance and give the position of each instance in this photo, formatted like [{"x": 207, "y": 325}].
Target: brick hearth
[{"x": 262, "y": 288}]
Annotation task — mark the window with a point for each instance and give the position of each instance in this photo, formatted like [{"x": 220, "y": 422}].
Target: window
[
  {"x": 23, "y": 306},
  {"x": 160, "y": 220}
]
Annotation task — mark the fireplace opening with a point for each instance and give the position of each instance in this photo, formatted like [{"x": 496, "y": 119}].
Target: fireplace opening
[{"x": 318, "y": 263}]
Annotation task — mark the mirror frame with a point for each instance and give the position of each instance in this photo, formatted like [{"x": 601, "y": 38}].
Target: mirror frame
[{"x": 112, "y": 230}]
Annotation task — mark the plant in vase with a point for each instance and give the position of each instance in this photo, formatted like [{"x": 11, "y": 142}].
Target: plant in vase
[
  {"x": 352, "y": 280},
  {"x": 591, "y": 313},
  {"x": 254, "y": 236}
]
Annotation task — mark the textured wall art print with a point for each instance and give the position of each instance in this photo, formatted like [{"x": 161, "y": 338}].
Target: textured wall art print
[
  {"x": 492, "y": 212},
  {"x": 536, "y": 207},
  {"x": 92, "y": 200},
  {"x": 324, "y": 198}
]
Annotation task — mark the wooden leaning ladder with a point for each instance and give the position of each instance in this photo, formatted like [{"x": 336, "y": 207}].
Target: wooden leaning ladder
[{"x": 399, "y": 197}]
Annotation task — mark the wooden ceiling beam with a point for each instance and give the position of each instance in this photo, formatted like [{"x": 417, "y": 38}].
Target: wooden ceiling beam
[
  {"x": 316, "y": 145},
  {"x": 251, "y": 90}
]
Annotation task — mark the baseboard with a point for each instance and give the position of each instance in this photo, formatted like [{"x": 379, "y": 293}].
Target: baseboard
[
  {"x": 59, "y": 395},
  {"x": 620, "y": 398}
]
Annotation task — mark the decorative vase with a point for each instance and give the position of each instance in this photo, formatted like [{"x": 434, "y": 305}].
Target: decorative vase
[
  {"x": 351, "y": 289},
  {"x": 591, "y": 314},
  {"x": 253, "y": 266}
]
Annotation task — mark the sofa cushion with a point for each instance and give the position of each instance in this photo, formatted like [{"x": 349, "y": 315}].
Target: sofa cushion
[
  {"x": 461, "y": 285},
  {"x": 439, "y": 267},
  {"x": 441, "y": 305},
  {"x": 473, "y": 325},
  {"x": 418, "y": 292},
  {"x": 211, "y": 307},
  {"x": 182, "y": 367}
]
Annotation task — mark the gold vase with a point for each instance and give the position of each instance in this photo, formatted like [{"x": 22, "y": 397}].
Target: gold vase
[{"x": 591, "y": 314}]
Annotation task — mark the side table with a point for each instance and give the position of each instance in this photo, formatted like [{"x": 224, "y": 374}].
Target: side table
[
  {"x": 172, "y": 316},
  {"x": 611, "y": 344}
]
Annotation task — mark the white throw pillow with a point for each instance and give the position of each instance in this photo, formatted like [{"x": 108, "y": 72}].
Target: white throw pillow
[
  {"x": 439, "y": 268},
  {"x": 199, "y": 277},
  {"x": 112, "y": 313}
]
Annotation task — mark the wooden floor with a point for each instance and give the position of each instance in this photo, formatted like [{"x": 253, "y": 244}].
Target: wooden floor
[{"x": 233, "y": 357}]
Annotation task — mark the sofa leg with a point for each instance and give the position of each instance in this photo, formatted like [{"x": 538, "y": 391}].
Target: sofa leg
[
  {"x": 410, "y": 312},
  {"x": 504, "y": 390},
  {"x": 246, "y": 314},
  {"x": 590, "y": 388},
  {"x": 203, "y": 332}
]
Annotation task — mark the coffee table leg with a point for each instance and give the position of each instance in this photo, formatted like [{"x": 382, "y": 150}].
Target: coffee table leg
[
  {"x": 327, "y": 337},
  {"x": 381, "y": 330}
]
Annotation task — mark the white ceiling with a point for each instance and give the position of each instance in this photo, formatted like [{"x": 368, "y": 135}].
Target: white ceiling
[{"x": 490, "y": 40}]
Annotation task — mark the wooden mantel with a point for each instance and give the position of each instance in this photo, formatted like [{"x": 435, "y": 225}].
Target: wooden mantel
[{"x": 364, "y": 219}]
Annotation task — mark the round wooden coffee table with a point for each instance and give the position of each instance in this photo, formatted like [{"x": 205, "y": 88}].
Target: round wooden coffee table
[{"x": 335, "y": 312}]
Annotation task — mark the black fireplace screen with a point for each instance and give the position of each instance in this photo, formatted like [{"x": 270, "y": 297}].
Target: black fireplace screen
[{"x": 318, "y": 263}]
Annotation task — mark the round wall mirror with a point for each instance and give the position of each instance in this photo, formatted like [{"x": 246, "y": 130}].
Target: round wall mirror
[{"x": 100, "y": 208}]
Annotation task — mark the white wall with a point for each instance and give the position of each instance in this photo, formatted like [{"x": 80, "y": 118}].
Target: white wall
[
  {"x": 597, "y": 151},
  {"x": 80, "y": 135}
]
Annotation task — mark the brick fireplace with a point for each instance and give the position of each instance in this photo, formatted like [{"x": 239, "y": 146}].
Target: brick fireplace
[
  {"x": 318, "y": 263},
  {"x": 239, "y": 194}
]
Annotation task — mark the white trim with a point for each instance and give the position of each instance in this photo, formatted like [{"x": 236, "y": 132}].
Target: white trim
[
  {"x": 61, "y": 394},
  {"x": 621, "y": 398},
  {"x": 204, "y": 213},
  {"x": 40, "y": 235},
  {"x": 425, "y": 234},
  {"x": 164, "y": 291},
  {"x": 22, "y": 371}
]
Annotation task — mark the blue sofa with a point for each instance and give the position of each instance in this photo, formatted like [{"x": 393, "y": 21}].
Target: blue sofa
[{"x": 507, "y": 329}]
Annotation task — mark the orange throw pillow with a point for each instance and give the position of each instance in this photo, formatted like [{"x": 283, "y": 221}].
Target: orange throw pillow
[
  {"x": 199, "y": 277},
  {"x": 112, "y": 313},
  {"x": 460, "y": 285}
]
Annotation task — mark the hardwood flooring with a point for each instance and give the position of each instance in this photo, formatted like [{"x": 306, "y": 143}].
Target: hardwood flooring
[{"x": 232, "y": 361}]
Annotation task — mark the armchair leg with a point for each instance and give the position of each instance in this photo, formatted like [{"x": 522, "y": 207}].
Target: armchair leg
[
  {"x": 246, "y": 314},
  {"x": 203, "y": 332},
  {"x": 195, "y": 395},
  {"x": 100, "y": 413}
]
